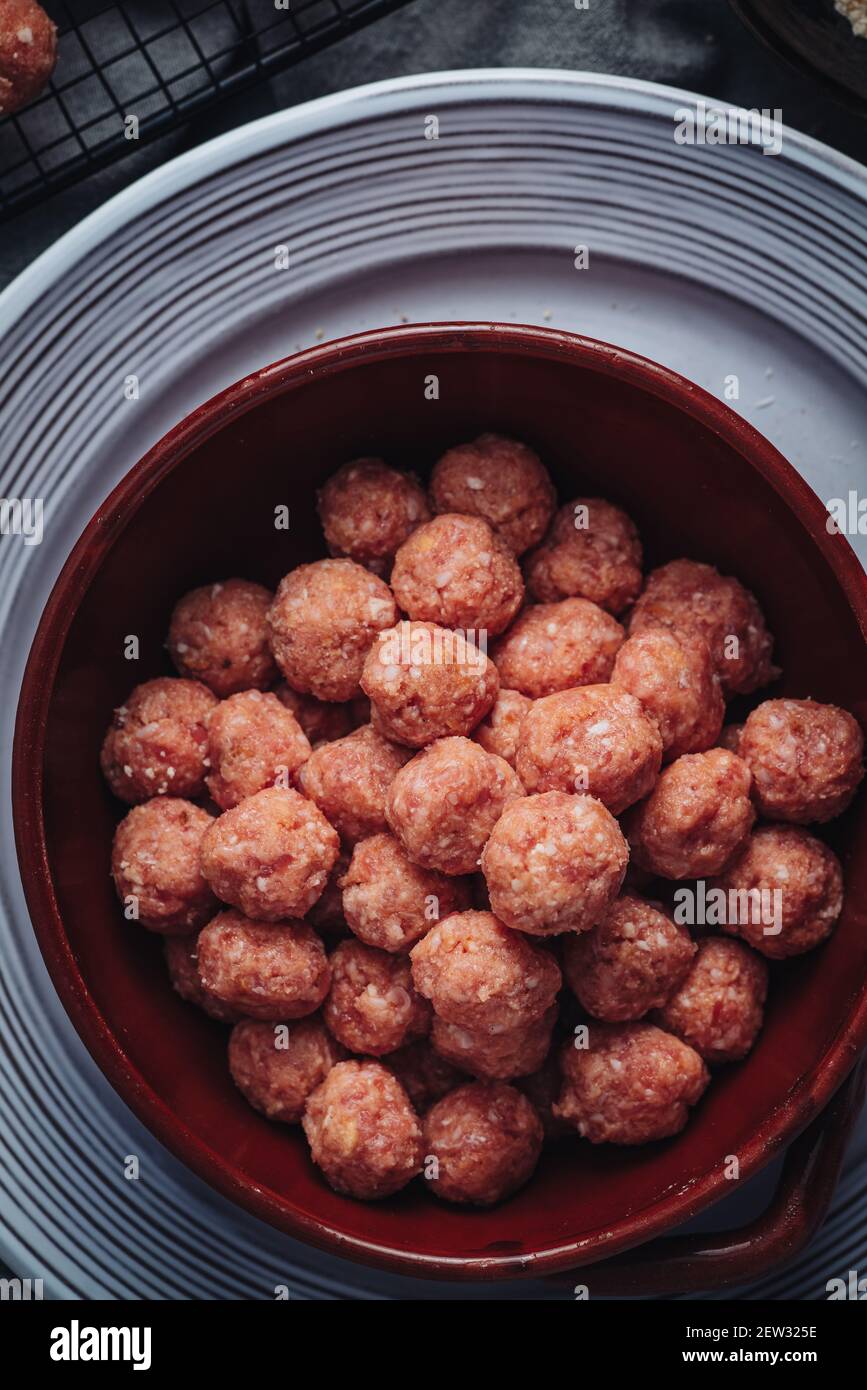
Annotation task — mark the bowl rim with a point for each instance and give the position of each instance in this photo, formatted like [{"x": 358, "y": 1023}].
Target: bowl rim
[{"x": 795, "y": 1109}]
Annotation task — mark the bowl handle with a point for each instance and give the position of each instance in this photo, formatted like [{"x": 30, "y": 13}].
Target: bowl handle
[{"x": 692, "y": 1263}]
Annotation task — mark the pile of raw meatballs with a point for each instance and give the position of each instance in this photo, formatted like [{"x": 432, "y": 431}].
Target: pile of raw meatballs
[{"x": 413, "y": 874}]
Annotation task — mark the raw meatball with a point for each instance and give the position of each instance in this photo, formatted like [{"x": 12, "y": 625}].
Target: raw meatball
[
  {"x": 632, "y": 1084},
  {"x": 806, "y": 759},
  {"x": 275, "y": 972},
  {"x": 427, "y": 682},
  {"x": 182, "y": 961},
  {"x": 323, "y": 621},
  {"x": 595, "y": 739},
  {"x": 482, "y": 976},
  {"x": 456, "y": 572},
  {"x": 271, "y": 855},
  {"x": 155, "y": 859},
  {"x": 675, "y": 680},
  {"x": 696, "y": 818},
  {"x": 390, "y": 902},
  {"x": 719, "y": 1007},
  {"x": 423, "y": 1073},
  {"x": 542, "y": 1088},
  {"x": 372, "y": 1006},
  {"x": 486, "y": 1139},
  {"x": 500, "y": 480},
  {"x": 730, "y": 738},
  {"x": 368, "y": 510},
  {"x": 363, "y": 1132},
  {"x": 553, "y": 646},
  {"x": 554, "y": 863},
  {"x": 630, "y": 963},
  {"x": 28, "y": 53},
  {"x": 591, "y": 551},
  {"x": 496, "y": 1056},
  {"x": 349, "y": 781},
  {"x": 698, "y": 601},
  {"x": 326, "y": 914},
  {"x": 806, "y": 875},
  {"x": 276, "y": 1067},
  {"x": 158, "y": 741},
  {"x": 499, "y": 732},
  {"x": 320, "y": 721},
  {"x": 219, "y": 635},
  {"x": 444, "y": 804},
  {"x": 253, "y": 743}
]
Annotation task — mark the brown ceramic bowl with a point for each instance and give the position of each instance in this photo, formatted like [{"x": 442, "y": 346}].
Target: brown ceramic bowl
[{"x": 200, "y": 506}]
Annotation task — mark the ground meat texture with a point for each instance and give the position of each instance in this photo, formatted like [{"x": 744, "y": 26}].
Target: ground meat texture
[
  {"x": 595, "y": 739},
  {"x": 363, "y": 1132},
  {"x": 591, "y": 551},
  {"x": 390, "y": 902},
  {"x": 326, "y": 914},
  {"x": 349, "y": 780},
  {"x": 500, "y": 731},
  {"x": 787, "y": 861},
  {"x": 499, "y": 480},
  {"x": 542, "y": 1088},
  {"x": 426, "y": 682},
  {"x": 696, "y": 818},
  {"x": 719, "y": 1007},
  {"x": 372, "y": 1006},
  {"x": 324, "y": 619},
  {"x": 368, "y": 510},
  {"x": 554, "y": 863},
  {"x": 219, "y": 635},
  {"x": 269, "y": 971},
  {"x": 698, "y": 601},
  {"x": 675, "y": 680},
  {"x": 28, "y": 53},
  {"x": 632, "y": 1084},
  {"x": 486, "y": 1139},
  {"x": 630, "y": 963},
  {"x": 277, "y": 1066},
  {"x": 444, "y": 804},
  {"x": 271, "y": 855},
  {"x": 456, "y": 572},
  {"x": 253, "y": 742},
  {"x": 481, "y": 976},
  {"x": 321, "y": 722},
  {"x": 423, "y": 1073},
  {"x": 155, "y": 860},
  {"x": 495, "y": 1056},
  {"x": 182, "y": 963},
  {"x": 806, "y": 759},
  {"x": 157, "y": 744},
  {"x": 730, "y": 738},
  {"x": 554, "y": 646}
]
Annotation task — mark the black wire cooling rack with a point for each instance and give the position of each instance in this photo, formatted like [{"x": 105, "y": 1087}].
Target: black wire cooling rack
[{"x": 160, "y": 62}]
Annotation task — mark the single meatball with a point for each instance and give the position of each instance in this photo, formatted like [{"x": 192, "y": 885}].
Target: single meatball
[
  {"x": 390, "y": 902},
  {"x": 500, "y": 480},
  {"x": 373, "y": 1007},
  {"x": 719, "y": 1007},
  {"x": 444, "y": 804},
  {"x": 326, "y": 914},
  {"x": 675, "y": 680},
  {"x": 254, "y": 742},
  {"x": 368, "y": 510},
  {"x": 496, "y": 1056},
  {"x": 157, "y": 744},
  {"x": 591, "y": 551},
  {"x": 363, "y": 1132},
  {"x": 277, "y": 1066},
  {"x": 455, "y": 571},
  {"x": 806, "y": 759},
  {"x": 269, "y": 971},
  {"x": 554, "y": 863},
  {"x": 696, "y": 818},
  {"x": 219, "y": 635},
  {"x": 500, "y": 731},
  {"x": 630, "y": 963},
  {"x": 321, "y": 722},
  {"x": 271, "y": 855},
  {"x": 697, "y": 601},
  {"x": 182, "y": 962},
  {"x": 595, "y": 739},
  {"x": 28, "y": 53},
  {"x": 349, "y": 780},
  {"x": 486, "y": 1139},
  {"x": 423, "y": 1073},
  {"x": 553, "y": 646},
  {"x": 632, "y": 1084},
  {"x": 155, "y": 859},
  {"x": 324, "y": 619},
  {"x": 426, "y": 682},
  {"x": 788, "y": 891},
  {"x": 482, "y": 976},
  {"x": 730, "y": 738}
]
